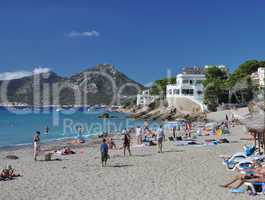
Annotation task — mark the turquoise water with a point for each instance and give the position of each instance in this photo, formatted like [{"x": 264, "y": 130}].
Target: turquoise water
[{"x": 18, "y": 128}]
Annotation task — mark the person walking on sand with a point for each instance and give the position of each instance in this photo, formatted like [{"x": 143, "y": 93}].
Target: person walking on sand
[
  {"x": 36, "y": 144},
  {"x": 160, "y": 138},
  {"x": 126, "y": 143},
  {"x": 104, "y": 150}
]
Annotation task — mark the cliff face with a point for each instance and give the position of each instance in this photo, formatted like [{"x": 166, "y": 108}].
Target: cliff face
[{"x": 101, "y": 84}]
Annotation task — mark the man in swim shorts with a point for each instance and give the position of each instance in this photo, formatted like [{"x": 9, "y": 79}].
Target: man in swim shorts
[{"x": 104, "y": 149}]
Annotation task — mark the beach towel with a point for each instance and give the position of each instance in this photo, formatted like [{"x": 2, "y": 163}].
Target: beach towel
[
  {"x": 188, "y": 143},
  {"x": 238, "y": 190},
  {"x": 12, "y": 157},
  {"x": 219, "y": 132},
  {"x": 139, "y": 145}
]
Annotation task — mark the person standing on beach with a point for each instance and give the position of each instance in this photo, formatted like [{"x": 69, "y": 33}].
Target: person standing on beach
[
  {"x": 104, "y": 150},
  {"x": 126, "y": 143},
  {"x": 146, "y": 125},
  {"x": 226, "y": 117},
  {"x": 36, "y": 144},
  {"x": 138, "y": 131},
  {"x": 80, "y": 134},
  {"x": 174, "y": 131},
  {"x": 160, "y": 138},
  {"x": 188, "y": 128}
]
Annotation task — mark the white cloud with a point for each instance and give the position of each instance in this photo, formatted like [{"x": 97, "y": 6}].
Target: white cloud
[
  {"x": 21, "y": 74},
  {"x": 92, "y": 33},
  {"x": 40, "y": 70}
]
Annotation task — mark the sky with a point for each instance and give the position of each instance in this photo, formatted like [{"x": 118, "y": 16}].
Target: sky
[{"x": 142, "y": 38}]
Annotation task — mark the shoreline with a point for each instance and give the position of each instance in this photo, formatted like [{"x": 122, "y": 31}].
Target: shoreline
[{"x": 56, "y": 143}]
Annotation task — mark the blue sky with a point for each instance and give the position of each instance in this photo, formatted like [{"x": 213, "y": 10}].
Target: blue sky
[{"x": 141, "y": 37}]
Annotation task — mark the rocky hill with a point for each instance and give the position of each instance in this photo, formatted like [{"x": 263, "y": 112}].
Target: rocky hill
[{"x": 101, "y": 84}]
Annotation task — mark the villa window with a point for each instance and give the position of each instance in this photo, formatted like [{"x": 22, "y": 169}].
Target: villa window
[
  {"x": 191, "y": 82},
  {"x": 198, "y": 82},
  {"x": 175, "y": 91},
  {"x": 185, "y": 81},
  {"x": 187, "y": 91},
  {"x": 199, "y": 92},
  {"x": 170, "y": 91}
]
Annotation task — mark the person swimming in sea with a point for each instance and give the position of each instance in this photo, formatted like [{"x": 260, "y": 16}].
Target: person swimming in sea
[{"x": 46, "y": 130}]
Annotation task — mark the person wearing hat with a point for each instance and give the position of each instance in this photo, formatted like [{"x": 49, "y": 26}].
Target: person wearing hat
[{"x": 36, "y": 144}]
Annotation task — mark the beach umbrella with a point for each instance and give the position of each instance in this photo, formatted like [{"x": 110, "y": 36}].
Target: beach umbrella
[{"x": 255, "y": 123}]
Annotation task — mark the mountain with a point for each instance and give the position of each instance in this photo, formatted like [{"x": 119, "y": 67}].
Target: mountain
[{"x": 101, "y": 84}]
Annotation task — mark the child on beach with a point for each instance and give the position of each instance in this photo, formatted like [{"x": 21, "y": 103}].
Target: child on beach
[{"x": 104, "y": 149}]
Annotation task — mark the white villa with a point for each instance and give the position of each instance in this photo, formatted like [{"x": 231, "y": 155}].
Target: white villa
[
  {"x": 144, "y": 98},
  {"x": 259, "y": 77},
  {"x": 188, "y": 86}
]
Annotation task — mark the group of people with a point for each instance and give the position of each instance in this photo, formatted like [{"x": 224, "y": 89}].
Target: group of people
[
  {"x": 140, "y": 133},
  {"x": 145, "y": 134},
  {"x": 8, "y": 173},
  {"x": 187, "y": 127},
  {"x": 110, "y": 144}
]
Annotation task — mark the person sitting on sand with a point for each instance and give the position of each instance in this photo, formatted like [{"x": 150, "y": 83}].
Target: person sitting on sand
[
  {"x": 64, "y": 151},
  {"x": 36, "y": 144},
  {"x": 67, "y": 151},
  {"x": 8, "y": 173},
  {"x": 149, "y": 133},
  {"x": 104, "y": 149},
  {"x": 256, "y": 175}
]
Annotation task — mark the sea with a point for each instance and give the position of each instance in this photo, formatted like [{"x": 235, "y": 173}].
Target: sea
[{"x": 18, "y": 124}]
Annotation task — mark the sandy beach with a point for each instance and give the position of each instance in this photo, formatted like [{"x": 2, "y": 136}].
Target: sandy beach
[{"x": 185, "y": 173}]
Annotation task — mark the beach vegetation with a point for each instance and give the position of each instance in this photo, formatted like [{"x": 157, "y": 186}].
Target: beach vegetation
[
  {"x": 236, "y": 88},
  {"x": 159, "y": 86}
]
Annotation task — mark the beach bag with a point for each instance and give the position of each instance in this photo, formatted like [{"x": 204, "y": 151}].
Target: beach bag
[
  {"x": 249, "y": 150},
  {"x": 219, "y": 132},
  {"x": 171, "y": 138},
  {"x": 179, "y": 138},
  {"x": 48, "y": 157},
  {"x": 224, "y": 140}
]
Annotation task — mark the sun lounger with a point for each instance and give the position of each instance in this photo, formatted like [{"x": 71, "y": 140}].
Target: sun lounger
[{"x": 234, "y": 160}]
